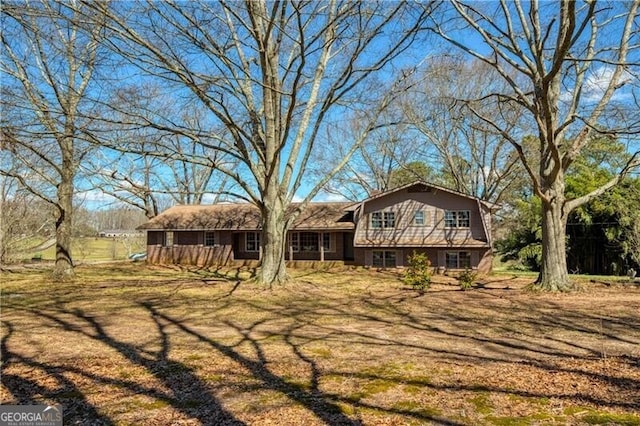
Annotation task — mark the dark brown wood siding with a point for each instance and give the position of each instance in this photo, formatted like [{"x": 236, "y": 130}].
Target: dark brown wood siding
[
  {"x": 155, "y": 238},
  {"x": 188, "y": 238}
]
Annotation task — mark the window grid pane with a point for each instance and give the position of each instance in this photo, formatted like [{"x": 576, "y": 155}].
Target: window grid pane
[
  {"x": 458, "y": 260},
  {"x": 253, "y": 241},
  {"x": 389, "y": 259},
  {"x": 378, "y": 258},
  {"x": 326, "y": 241},
  {"x": 418, "y": 218},
  {"x": 168, "y": 238},
  {"x": 456, "y": 219},
  {"x": 464, "y": 259},
  {"x": 463, "y": 219},
  {"x": 384, "y": 259},
  {"x": 450, "y": 219},
  {"x": 376, "y": 220},
  {"x": 209, "y": 239},
  {"x": 389, "y": 220},
  {"x": 294, "y": 241},
  {"x": 309, "y": 241},
  {"x": 383, "y": 220},
  {"x": 452, "y": 260}
]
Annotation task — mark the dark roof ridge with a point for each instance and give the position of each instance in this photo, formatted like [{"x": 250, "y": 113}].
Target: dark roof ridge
[{"x": 434, "y": 186}]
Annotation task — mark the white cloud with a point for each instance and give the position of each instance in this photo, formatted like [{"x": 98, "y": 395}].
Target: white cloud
[
  {"x": 330, "y": 198},
  {"x": 95, "y": 195},
  {"x": 208, "y": 198},
  {"x": 596, "y": 83}
]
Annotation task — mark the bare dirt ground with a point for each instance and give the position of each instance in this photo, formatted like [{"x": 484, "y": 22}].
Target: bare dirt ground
[{"x": 133, "y": 344}]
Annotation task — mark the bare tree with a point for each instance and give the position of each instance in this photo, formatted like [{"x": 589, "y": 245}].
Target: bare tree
[
  {"x": 272, "y": 74},
  {"x": 26, "y": 222},
  {"x": 370, "y": 169},
  {"x": 48, "y": 63},
  {"x": 470, "y": 156},
  {"x": 571, "y": 67},
  {"x": 152, "y": 183},
  {"x": 149, "y": 167}
]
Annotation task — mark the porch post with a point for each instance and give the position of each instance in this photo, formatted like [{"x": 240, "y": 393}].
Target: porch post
[{"x": 321, "y": 242}]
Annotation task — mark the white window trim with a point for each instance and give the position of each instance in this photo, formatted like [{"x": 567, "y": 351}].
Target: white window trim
[
  {"x": 424, "y": 218},
  {"x": 384, "y": 258},
  {"x": 458, "y": 257},
  {"x": 332, "y": 242},
  {"x": 168, "y": 236},
  {"x": 294, "y": 241},
  {"x": 215, "y": 239},
  {"x": 294, "y": 236},
  {"x": 257, "y": 240},
  {"x": 457, "y": 219},
  {"x": 383, "y": 220}
]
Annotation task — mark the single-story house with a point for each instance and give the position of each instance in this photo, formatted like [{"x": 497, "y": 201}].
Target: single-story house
[
  {"x": 453, "y": 229},
  {"x": 120, "y": 233}
]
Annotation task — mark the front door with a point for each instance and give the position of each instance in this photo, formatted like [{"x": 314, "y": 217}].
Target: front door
[{"x": 347, "y": 244}]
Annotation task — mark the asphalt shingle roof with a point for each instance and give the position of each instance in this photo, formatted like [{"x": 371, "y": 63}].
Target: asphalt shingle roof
[{"x": 245, "y": 216}]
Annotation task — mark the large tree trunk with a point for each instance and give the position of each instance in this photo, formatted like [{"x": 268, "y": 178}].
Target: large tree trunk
[
  {"x": 63, "y": 269},
  {"x": 553, "y": 271},
  {"x": 274, "y": 232}
]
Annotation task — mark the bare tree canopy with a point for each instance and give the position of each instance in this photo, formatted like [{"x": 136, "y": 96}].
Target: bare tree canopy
[
  {"x": 573, "y": 68},
  {"x": 272, "y": 75},
  {"x": 471, "y": 156},
  {"x": 48, "y": 63}
]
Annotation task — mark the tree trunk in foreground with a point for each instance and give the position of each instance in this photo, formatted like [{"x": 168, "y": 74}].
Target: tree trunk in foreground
[
  {"x": 553, "y": 271},
  {"x": 63, "y": 269},
  {"x": 273, "y": 244}
]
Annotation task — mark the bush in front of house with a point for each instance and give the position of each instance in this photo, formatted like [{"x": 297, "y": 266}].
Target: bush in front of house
[
  {"x": 467, "y": 278},
  {"x": 418, "y": 272}
]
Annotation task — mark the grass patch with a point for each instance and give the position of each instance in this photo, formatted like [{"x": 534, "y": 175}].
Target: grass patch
[
  {"x": 148, "y": 405},
  {"x": 90, "y": 249},
  {"x": 415, "y": 407},
  {"x": 482, "y": 403},
  {"x": 601, "y": 418}
]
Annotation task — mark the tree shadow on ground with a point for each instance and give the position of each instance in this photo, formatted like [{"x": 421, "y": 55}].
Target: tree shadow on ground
[
  {"x": 27, "y": 391},
  {"x": 186, "y": 392},
  {"x": 298, "y": 323}
]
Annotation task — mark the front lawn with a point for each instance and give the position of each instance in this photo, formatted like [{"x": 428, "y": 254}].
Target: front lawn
[{"x": 135, "y": 344}]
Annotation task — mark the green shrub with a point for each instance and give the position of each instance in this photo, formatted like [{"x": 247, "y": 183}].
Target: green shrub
[
  {"x": 418, "y": 272},
  {"x": 467, "y": 278}
]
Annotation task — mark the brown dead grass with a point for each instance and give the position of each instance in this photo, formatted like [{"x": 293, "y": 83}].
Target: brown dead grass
[{"x": 132, "y": 344}]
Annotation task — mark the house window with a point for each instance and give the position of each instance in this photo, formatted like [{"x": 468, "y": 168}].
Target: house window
[
  {"x": 458, "y": 260},
  {"x": 326, "y": 241},
  {"x": 383, "y": 220},
  {"x": 209, "y": 238},
  {"x": 389, "y": 220},
  {"x": 418, "y": 218},
  {"x": 376, "y": 220},
  {"x": 252, "y": 241},
  {"x": 168, "y": 239},
  {"x": 308, "y": 241},
  {"x": 384, "y": 258},
  {"x": 456, "y": 219},
  {"x": 294, "y": 241}
]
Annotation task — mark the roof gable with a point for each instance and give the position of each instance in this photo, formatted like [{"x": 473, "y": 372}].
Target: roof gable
[{"x": 422, "y": 186}]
